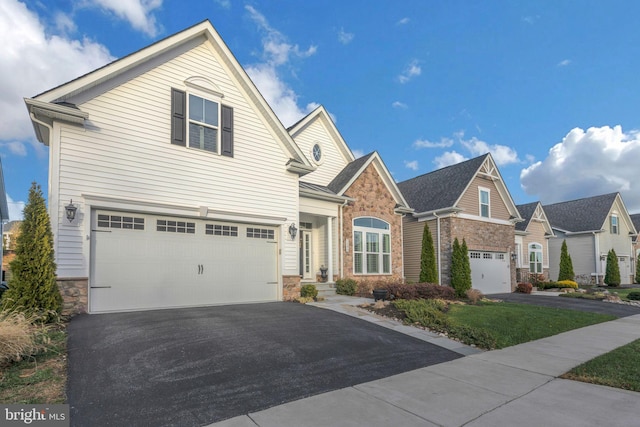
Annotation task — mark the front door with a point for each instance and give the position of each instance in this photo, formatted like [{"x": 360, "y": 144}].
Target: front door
[{"x": 306, "y": 269}]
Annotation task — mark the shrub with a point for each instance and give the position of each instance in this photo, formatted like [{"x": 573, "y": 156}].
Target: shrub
[
  {"x": 303, "y": 300},
  {"x": 308, "y": 291},
  {"x": 21, "y": 336},
  {"x": 420, "y": 291},
  {"x": 428, "y": 267},
  {"x": 474, "y": 295},
  {"x": 634, "y": 296},
  {"x": 567, "y": 284},
  {"x": 524, "y": 288},
  {"x": 427, "y": 313},
  {"x": 612, "y": 274},
  {"x": 460, "y": 268},
  {"x": 346, "y": 287},
  {"x": 566, "y": 265},
  {"x": 637, "y": 277}
]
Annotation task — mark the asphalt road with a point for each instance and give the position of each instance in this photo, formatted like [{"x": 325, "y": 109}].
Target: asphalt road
[
  {"x": 191, "y": 367},
  {"x": 580, "y": 304}
]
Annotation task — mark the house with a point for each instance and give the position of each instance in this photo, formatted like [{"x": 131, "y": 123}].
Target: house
[
  {"x": 4, "y": 216},
  {"x": 532, "y": 242},
  {"x": 470, "y": 201},
  {"x": 174, "y": 184},
  {"x": 10, "y": 233},
  {"x": 592, "y": 226},
  {"x": 635, "y": 218}
]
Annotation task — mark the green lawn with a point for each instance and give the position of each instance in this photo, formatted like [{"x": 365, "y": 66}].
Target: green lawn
[
  {"x": 622, "y": 293},
  {"x": 619, "y": 368}
]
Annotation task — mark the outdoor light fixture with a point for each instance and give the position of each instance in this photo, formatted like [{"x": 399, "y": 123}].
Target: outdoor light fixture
[
  {"x": 514, "y": 256},
  {"x": 70, "y": 210},
  {"x": 293, "y": 231}
]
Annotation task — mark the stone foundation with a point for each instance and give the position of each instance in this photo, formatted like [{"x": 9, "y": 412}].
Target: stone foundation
[
  {"x": 290, "y": 287},
  {"x": 74, "y": 295}
]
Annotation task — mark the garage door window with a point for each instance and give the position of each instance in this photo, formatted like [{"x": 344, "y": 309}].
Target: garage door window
[
  {"x": 221, "y": 230},
  {"x": 535, "y": 258},
  {"x": 170, "y": 226},
  {"x": 260, "y": 233},
  {"x": 119, "y": 221},
  {"x": 371, "y": 246}
]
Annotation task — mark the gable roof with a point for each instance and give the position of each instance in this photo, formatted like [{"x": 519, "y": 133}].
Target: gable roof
[
  {"x": 533, "y": 212},
  {"x": 635, "y": 219},
  {"x": 341, "y": 183},
  {"x": 441, "y": 188},
  {"x": 49, "y": 105},
  {"x": 581, "y": 215}
]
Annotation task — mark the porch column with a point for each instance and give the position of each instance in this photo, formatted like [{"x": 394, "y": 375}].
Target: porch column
[{"x": 330, "y": 249}]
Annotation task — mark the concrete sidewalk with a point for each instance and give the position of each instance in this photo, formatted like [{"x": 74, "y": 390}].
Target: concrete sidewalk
[{"x": 518, "y": 385}]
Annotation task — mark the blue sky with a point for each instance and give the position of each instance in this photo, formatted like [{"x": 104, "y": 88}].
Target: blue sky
[{"x": 550, "y": 88}]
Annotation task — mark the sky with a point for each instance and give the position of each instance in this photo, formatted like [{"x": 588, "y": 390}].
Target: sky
[{"x": 550, "y": 88}]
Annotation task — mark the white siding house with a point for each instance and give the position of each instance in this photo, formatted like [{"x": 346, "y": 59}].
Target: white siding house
[{"x": 4, "y": 213}]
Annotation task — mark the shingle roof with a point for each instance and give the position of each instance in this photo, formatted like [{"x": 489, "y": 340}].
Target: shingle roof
[
  {"x": 526, "y": 212},
  {"x": 315, "y": 187},
  {"x": 635, "y": 219},
  {"x": 585, "y": 214},
  {"x": 347, "y": 173},
  {"x": 441, "y": 188}
]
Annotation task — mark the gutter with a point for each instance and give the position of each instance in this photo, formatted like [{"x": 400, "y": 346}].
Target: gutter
[
  {"x": 324, "y": 196},
  {"x": 434, "y": 213}
]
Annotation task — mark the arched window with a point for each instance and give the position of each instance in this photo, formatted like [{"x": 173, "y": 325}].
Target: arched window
[
  {"x": 371, "y": 246},
  {"x": 535, "y": 258}
]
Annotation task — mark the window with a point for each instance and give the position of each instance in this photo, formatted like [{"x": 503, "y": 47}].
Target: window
[
  {"x": 221, "y": 230},
  {"x": 474, "y": 255},
  {"x": 260, "y": 233},
  {"x": 484, "y": 203},
  {"x": 614, "y": 225},
  {"x": 170, "y": 226},
  {"x": 210, "y": 124},
  {"x": 203, "y": 124},
  {"x": 371, "y": 246},
  {"x": 535, "y": 258},
  {"x": 118, "y": 221},
  {"x": 316, "y": 153}
]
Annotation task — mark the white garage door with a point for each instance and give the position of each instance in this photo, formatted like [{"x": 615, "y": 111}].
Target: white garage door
[
  {"x": 490, "y": 272},
  {"x": 146, "y": 261}
]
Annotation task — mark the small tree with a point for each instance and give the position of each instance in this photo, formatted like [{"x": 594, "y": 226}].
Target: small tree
[
  {"x": 566, "y": 265},
  {"x": 33, "y": 287},
  {"x": 638, "y": 269},
  {"x": 428, "y": 266},
  {"x": 612, "y": 275},
  {"x": 460, "y": 268}
]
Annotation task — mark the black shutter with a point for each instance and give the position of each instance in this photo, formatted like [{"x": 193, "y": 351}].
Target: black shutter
[
  {"x": 227, "y": 131},
  {"x": 178, "y": 119}
]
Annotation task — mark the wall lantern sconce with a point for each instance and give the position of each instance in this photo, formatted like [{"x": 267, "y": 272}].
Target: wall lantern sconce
[
  {"x": 603, "y": 257},
  {"x": 514, "y": 256},
  {"x": 293, "y": 231},
  {"x": 70, "y": 210}
]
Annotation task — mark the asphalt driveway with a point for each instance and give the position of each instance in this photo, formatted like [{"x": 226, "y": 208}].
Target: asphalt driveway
[
  {"x": 580, "y": 304},
  {"x": 191, "y": 367}
]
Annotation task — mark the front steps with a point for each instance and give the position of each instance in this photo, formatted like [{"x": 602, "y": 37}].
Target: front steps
[{"x": 326, "y": 289}]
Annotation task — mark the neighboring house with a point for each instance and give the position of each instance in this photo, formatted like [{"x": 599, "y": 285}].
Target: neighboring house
[
  {"x": 592, "y": 226},
  {"x": 174, "y": 184},
  {"x": 9, "y": 235},
  {"x": 4, "y": 216},
  {"x": 470, "y": 201},
  {"x": 532, "y": 242},
  {"x": 635, "y": 218}
]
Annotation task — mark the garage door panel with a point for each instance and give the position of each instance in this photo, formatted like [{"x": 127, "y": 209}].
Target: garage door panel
[
  {"x": 490, "y": 271},
  {"x": 144, "y": 269}
]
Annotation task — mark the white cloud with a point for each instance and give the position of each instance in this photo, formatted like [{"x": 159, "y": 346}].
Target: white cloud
[
  {"x": 587, "y": 163},
  {"x": 403, "y": 21},
  {"x": 64, "y": 23},
  {"x": 423, "y": 143},
  {"x": 139, "y": 13},
  {"x": 15, "y": 209},
  {"x": 15, "y": 147},
  {"x": 276, "y": 53},
  {"x": 226, "y": 4},
  {"x": 502, "y": 154},
  {"x": 400, "y": 105},
  {"x": 412, "y": 70},
  {"x": 357, "y": 153},
  {"x": 344, "y": 37},
  {"x": 564, "y": 63},
  {"x": 530, "y": 158},
  {"x": 33, "y": 61},
  {"x": 449, "y": 158},
  {"x": 413, "y": 165}
]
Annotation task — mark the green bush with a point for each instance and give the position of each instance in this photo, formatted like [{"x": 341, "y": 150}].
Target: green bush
[
  {"x": 566, "y": 265},
  {"x": 346, "y": 287},
  {"x": 469, "y": 335},
  {"x": 561, "y": 284},
  {"x": 428, "y": 313},
  {"x": 634, "y": 296},
  {"x": 612, "y": 272},
  {"x": 308, "y": 291}
]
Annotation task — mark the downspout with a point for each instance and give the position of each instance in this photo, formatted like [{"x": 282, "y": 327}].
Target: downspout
[
  {"x": 40, "y": 122},
  {"x": 596, "y": 246},
  {"x": 439, "y": 261}
]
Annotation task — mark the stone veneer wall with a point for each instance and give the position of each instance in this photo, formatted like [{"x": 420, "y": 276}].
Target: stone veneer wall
[
  {"x": 74, "y": 292},
  {"x": 372, "y": 198},
  {"x": 479, "y": 235},
  {"x": 290, "y": 287}
]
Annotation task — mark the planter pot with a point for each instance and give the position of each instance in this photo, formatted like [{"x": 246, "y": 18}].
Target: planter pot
[{"x": 380, "y": 294}]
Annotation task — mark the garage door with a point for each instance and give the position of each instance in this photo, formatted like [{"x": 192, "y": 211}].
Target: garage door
[
  {"x": 490, "y": 272},
  {"x": 147, "y": 261}
]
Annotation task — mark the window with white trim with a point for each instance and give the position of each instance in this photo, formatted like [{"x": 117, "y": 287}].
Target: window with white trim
[
  {"x": 371, "y": 246},
  {"x": 485, "y": 204},
  {"x": 203, "y": 123},
  {"x": 614, "y": 225},
  {"x": 535, "y": 258}
]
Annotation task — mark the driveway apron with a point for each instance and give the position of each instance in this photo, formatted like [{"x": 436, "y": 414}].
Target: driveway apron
[{"x": 192, "y": 367}]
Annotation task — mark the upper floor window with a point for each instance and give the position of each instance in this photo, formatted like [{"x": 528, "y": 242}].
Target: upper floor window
[
  {"x": 203, "y": 123},
  {"x": 614, "y": 225},
  {"x": 535, "y": 258},
  {"x": 485, "y": 210},
  {"x": 371, "y": 246}
]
